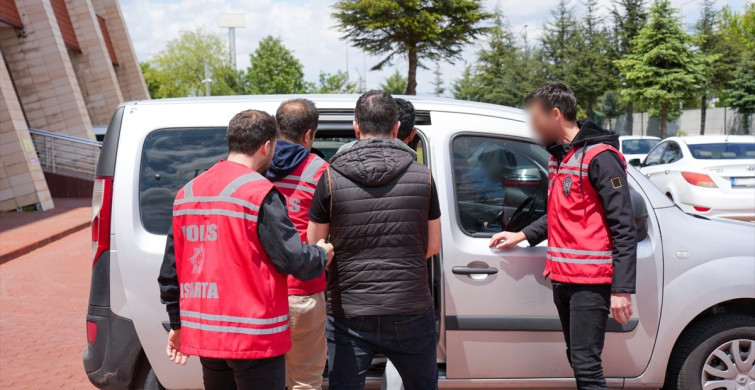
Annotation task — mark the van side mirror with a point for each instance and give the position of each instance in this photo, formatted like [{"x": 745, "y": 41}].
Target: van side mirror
[
  {"x": 635, "y": 162},
  {"x": 640, "y": 210}
]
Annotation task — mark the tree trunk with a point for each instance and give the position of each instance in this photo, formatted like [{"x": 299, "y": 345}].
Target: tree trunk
[
  {"x": 664, "y": 114},
  {"x": 630, "y": 119},
  {"x": 411, "y": 79},
  {"x": 703, "y": 113}
]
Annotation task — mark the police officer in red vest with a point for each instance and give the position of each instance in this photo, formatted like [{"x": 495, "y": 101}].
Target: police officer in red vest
[
  {"x": 295, "y": 173},
  {"x": 223, "y": 277},
  {"x": 589, "y": 224}
]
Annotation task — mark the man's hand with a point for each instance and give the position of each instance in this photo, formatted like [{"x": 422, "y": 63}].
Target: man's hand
[
  {"x": 506, "y": 239},
  {"x": 621, "y": 307},
  {"x": 328, "y": 248},
  {"x": 174, "y": 347}
]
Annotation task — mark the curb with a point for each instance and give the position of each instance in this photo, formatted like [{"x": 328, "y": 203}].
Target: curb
[{"x": 38, "y": 244}]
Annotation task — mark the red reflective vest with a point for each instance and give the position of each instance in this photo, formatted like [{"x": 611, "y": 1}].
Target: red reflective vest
[
  {"x": 299, "y": 189},
  {"x": 233, "y": 301},
  {"x": 579, "y": 242}
]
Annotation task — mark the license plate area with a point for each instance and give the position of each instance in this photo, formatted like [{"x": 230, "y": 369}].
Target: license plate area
[{"x": 742, "y": 182}]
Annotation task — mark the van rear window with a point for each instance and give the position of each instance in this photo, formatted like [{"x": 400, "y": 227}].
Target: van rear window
[{"x": 170, "y": 158}]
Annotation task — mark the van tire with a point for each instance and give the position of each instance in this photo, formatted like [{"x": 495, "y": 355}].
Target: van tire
[
  {"x": 699, "y": 341},
  {"x": 145, "y": 378}
]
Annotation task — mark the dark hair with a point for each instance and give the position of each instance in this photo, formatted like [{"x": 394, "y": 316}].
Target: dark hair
[
  {"x": 295, "y": 117},
  {"x": 406, "y": 117},
  {"x": 376, "y": 113},
  {"x": 249, "y": 130},
  {"x": 556, "y": 95}
]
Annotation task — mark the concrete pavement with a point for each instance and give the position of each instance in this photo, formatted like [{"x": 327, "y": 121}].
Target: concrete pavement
[{"x": 43, "y": 303}]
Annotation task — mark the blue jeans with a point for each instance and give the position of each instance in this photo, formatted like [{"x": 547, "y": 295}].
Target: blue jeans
[{"x": 408, "y": 341}]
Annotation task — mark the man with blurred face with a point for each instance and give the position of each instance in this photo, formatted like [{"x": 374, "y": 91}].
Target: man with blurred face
[{"x": 592, "y": 253}]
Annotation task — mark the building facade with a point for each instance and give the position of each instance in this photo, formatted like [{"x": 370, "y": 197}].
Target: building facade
[{"x": 65, "y": 66}]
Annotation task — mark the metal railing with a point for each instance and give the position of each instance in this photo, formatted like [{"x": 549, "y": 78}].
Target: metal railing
[{"x": 66, "y": 155}]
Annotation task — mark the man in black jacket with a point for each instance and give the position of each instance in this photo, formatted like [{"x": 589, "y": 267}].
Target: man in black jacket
[
  {"x": 590, "y": 226},
  {"x": 381, "y": 210}
]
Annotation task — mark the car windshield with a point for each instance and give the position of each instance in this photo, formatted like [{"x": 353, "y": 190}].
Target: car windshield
[
  {"x": 638, "y": 146},
  {"x": 723, "y": 151}
]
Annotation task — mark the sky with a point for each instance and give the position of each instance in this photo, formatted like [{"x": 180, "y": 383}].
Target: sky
[{"x": 306, "y": 28}]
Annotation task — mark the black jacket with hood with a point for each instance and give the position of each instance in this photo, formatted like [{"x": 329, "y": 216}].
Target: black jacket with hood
[
  {"x": 379, "y": 207},
  {"x": 617, "y": 204}
]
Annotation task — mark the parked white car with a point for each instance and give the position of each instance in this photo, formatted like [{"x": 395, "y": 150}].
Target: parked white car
[
  {"x": 712, "y": 176},
  {"x": 637, "y": 146}
]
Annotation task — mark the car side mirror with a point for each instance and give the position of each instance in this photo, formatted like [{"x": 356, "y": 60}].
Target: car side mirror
[
  {"x": 640, "y": 210},
  {"x": 635, "y": 162}
]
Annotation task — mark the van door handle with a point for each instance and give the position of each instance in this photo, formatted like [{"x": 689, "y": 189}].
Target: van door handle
[{"x": 474, "y": 270}]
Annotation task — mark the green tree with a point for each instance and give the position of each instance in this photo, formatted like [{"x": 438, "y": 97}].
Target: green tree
[
  {"x": 741, "y": 92},
  {"x": 438, "y": 88},
  {"x": 151, "y": 78},
  {"x": 395, "y": 84},
  {"x": 179, "y": 68},
  {"x": 335, "y": 83},
  {"x": 739, "y": 27},
  {"x": 609, "y": 107},
  {"x": 724, "y": 53},
  {"x": 416, "y": 30},
  {"x": 557, "y": 42},
  {"x": 274, "y": 69},
  {"x": 629, "y": 16},
  {"x": 662, "y": 71},
  {"x": 593, "y": 72},
  {"x": 464, "y": 87},
  {"x": 500, "y": 74}
]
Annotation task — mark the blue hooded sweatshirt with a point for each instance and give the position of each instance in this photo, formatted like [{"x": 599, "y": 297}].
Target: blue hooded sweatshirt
[{"x": 287, "y": 157}]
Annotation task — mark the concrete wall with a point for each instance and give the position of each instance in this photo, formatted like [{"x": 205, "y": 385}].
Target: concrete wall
[
  {"x": 47, "y": 86},
  {"x": 718, "y": 120},
  {"x": 22, "y": 182}
]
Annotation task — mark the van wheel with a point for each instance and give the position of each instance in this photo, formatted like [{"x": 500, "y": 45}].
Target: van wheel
[
  {"x": 717, "y": 353},
  {"x": 145, "y": 378}
]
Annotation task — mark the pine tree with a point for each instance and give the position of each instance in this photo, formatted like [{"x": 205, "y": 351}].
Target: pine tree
[
  {"x": 725, "y": 53},
  {"x": 438, "y": 88},
  {"x": 395, "y": 84},
  {"x": 593, "y": 71},
  {"x": 464, "y": 87},
  {"x": 558, "y": 43},
  {"x": 500, "y": 73},
  {"x": 629, "y": 17},
  {"x": 416, "y": 30},
  {"x": 662, "y": 71},
  {"x": 741, "y": 92}
]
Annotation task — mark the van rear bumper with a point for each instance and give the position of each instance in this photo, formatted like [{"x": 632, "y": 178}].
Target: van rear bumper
[{"x": 111, "y": 360}]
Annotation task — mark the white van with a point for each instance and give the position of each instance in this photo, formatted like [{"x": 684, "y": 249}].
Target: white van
[{"x": 694, "y": 323}]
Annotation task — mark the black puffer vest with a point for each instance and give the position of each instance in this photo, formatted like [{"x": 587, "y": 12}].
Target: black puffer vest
[{"x": 380, "y": 201}]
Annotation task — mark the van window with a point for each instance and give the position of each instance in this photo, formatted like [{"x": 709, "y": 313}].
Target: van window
[
  {"x": 170, "y": 158},
  {"x": 493, "y": 177}
]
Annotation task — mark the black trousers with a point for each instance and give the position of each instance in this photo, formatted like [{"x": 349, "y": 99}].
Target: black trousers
[
  {"x": 583, "y": 310},
  {"x": 244, "y": 374}
]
